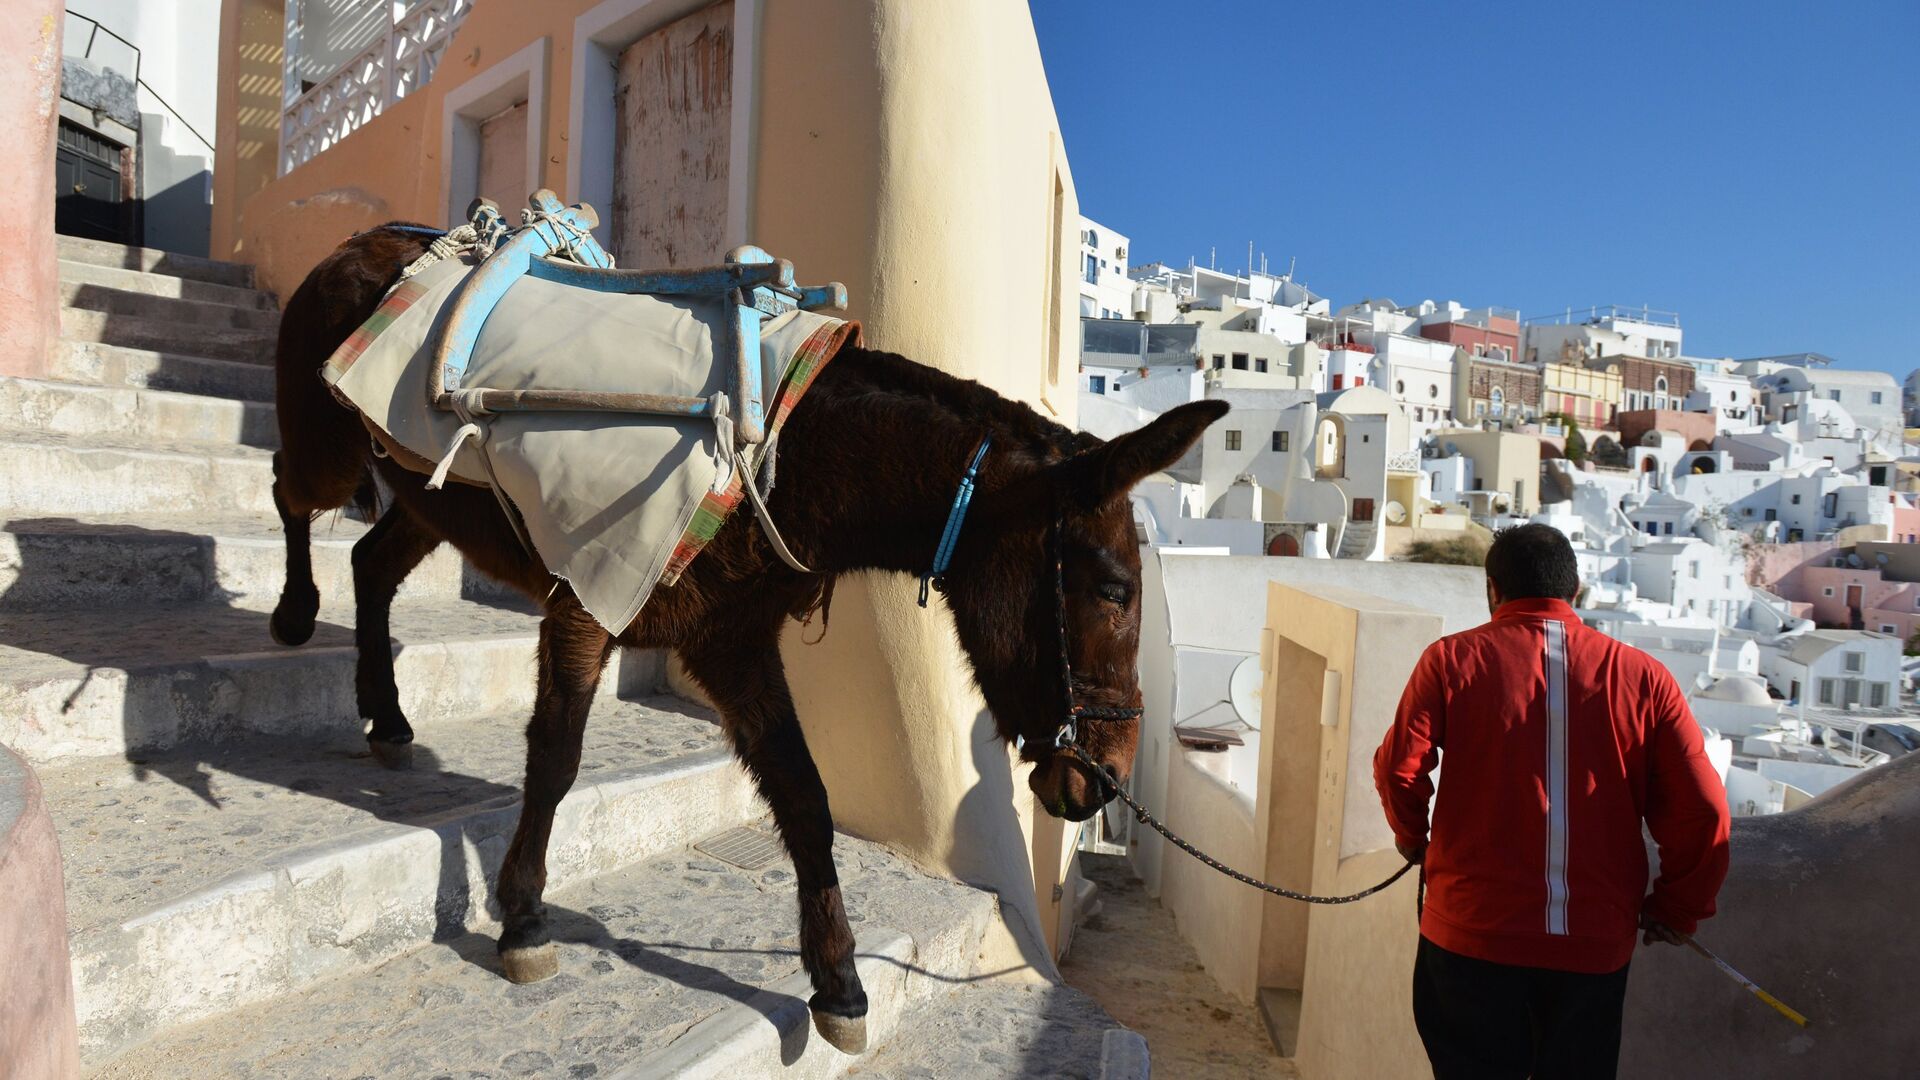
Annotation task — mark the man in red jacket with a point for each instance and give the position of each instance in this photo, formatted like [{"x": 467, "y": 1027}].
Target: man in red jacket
[{"x": 1559, "y": 742}]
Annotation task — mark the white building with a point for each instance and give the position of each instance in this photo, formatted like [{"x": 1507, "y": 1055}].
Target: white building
[
  {"x": 1106, "y": 292},
  {"x": 1610, "y": 330},
  {"x": 1834, "y": 669}
]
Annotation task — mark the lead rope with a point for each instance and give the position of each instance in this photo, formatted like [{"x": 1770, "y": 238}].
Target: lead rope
[{"x": 1068, "y": 739}]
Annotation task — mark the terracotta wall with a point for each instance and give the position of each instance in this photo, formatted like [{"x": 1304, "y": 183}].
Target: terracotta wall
[
  {"x": 37, "y": 1034},
  {"x": 1697, "y": 428},
  {"x": 29, "y": 106}
]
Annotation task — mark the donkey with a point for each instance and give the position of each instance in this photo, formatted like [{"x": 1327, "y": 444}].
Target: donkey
[{"x": 870, "y": 460}]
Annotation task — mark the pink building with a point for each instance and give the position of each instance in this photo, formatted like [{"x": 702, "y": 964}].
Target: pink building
[
  {"x": 1486, "y": 332},
  {"x": 1866, "y": 586}
]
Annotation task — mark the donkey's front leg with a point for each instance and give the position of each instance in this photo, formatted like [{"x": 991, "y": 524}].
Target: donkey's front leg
[
  {"x": 573, "y": 651},
  {"x": 749, "y": 686}
]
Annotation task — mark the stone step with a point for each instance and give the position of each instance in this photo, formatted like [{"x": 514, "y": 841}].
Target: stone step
[
  {"x": 252, "y": 346},
  {"x": 140, "y": 281},
  {"x": 146, "y": 369},
  {"x": 157, "y": 415},
  {"x": 54, "y": 563},
  {"x": 50, "y": 474},
  {"x": 676, "y": 948},
  {"x": 101, "y": 682},
  {"x": 209, "y": 878},
  {"x": 1003, "y": 1031},
  {"x": 105, "y": 298},
  {"x": 104, "y": 253}
]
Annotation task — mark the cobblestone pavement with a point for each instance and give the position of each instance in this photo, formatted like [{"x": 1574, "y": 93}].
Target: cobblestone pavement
[
  {"x": 1132, "y": 960},
  {"x": 996, "y": 1031},
  {"x": 135, "y": 834},
  {"x": 645, "y": 953}
]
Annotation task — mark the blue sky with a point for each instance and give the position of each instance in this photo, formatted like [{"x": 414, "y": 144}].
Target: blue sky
[{"x": 1755, "y": 166}]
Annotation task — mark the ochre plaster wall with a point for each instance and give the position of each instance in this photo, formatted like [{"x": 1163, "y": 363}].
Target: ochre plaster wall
[
  {"x": 29, "y": 105},
  {"x": 909, "y": 150}
]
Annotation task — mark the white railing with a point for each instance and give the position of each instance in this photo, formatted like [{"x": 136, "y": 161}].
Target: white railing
[
  {"x": 401, "y": 60},
  {"x": 1406, "y": 462}
]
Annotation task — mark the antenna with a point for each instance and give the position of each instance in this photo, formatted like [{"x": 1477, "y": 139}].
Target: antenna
[{"x": 1211, "y": 253}]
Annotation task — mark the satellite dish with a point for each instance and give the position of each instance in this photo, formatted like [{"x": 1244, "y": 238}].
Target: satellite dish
[
  {"x": 1854, "y": 562},
  {"x": 1243, "y": 691},
  {"x": 1453, "y": 448},
  {"x": 1397, "y": 513},
  {"x": 1881, "y": 558}
]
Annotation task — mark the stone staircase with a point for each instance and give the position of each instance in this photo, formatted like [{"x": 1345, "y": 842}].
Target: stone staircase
[
  {"x": 1357, "y": 539},
  {"x": 250, "y": 895}
]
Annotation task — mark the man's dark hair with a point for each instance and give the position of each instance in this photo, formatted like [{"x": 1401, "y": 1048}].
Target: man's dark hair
[{"x": 1533, "y": 561}]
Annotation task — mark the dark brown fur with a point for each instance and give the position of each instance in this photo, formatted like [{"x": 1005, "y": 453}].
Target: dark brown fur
[{"x": 869, "y": 462}]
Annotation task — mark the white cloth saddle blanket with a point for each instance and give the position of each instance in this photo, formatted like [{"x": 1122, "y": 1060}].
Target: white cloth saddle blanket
[{"x": 613, "y": 503}]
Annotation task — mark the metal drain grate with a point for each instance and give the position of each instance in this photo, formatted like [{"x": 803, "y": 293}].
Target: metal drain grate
[{"x": 744, "y": 847}]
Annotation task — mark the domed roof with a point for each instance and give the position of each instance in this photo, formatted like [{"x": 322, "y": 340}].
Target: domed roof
[{"x": 1741, "y": 689}]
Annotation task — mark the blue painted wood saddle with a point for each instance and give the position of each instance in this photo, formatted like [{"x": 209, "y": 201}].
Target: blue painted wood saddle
[{"x": 556, "y": 244}]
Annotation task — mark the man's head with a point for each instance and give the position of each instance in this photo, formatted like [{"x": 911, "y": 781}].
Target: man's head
[{"x": 1531, "y": 561}]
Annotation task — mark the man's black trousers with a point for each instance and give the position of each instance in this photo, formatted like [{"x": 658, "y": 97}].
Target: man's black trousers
[{"x": 1485, "y": 1020}]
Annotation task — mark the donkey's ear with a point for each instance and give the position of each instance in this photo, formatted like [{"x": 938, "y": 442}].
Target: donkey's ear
[{"x": 1110, "y": 470}]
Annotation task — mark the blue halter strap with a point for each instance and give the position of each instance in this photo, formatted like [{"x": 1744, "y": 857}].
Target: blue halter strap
[{"x": 950, "y": 536}]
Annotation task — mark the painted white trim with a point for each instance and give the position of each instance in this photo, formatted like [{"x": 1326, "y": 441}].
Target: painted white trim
[
  {"x": 520, "y": 77},
  {"x": 1555, "y": 661},
  {"x": 600, "y": 35}
]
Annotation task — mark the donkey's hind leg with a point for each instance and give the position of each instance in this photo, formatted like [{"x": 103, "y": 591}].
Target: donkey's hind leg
[
  {"x": 382, "y": 559},
  {"x": 749, "y": 686},
  {"x": 573, "y": 652}
]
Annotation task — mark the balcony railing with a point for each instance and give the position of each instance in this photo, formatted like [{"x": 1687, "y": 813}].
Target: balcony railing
[
  {"x": 1600, "y": 312},
  {"x": 401, "y": 60},
  {"x": 1405, "y": 462}
]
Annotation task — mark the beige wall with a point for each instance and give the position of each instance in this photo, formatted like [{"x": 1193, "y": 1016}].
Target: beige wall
[
  {"x": 29, "y": 105},
  {"x": 1500, "y": 459},
  {"x": 898, "y": 148}
]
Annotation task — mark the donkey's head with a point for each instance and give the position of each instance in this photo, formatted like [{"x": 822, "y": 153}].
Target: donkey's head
[{"x": 1009, "y": 614}]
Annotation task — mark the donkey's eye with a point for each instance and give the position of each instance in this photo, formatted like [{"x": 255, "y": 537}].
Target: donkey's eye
[{"x": 1116, "y": 593}]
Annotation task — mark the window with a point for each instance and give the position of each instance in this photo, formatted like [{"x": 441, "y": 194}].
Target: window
[
  {"x": 1433, "y": 390},
  {"x": 1796, "y": 500},
  {"x": 1093, "y": 270},
  {"x": 1876, "y": 397},
  {"x": 1746, "y": 511},
  {"x": 1660, "y": 385},
  {"x": 1239, "y": 361},
  {"x": 1828, "y": 591},
  {"x": 1280, "y": 439},
  {"x": 1096, "y": 384},
  {"x": 1399, "y": 386},
  {"x": 1693, "y": 569},
  {"x": 1833, "y": 395},
  {"x": 1669, "y": 528},
  {"x": 1233, "y": 440},
  {"x": 1772, "y": 514},
  {"x": 1856, "y": 662},
  {"x": 1826, "y": 691},
  {"x": 1889, "y": 628},
  {"x": 1260, "y": 363},
  {"x": 1877, "y": 692},
  {"x": 1219, "y": 360}
]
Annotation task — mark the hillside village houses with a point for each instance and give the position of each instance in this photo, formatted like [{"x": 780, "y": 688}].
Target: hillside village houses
[{"x": 1754, "y": 524}]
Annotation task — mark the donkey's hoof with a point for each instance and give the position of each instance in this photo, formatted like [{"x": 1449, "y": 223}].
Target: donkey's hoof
[
  {"x": 532, "y": 964},
  {"x": 394, "y": 755},
  {"x": 292, "y": 624},
  {"x": 848, "y": 1034}
]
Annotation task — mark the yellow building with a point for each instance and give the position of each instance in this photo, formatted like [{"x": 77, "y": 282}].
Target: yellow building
[
  {"x": 1590, "y": 396},
  {"x": 907, "y": 149}
]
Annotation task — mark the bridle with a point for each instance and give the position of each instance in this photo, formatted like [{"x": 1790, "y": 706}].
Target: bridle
[{"x": 1067, "y": 736}]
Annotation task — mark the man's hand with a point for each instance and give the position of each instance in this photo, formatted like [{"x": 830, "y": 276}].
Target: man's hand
[
  {"x": 1655, "y": 930},
  {"x": 1413, "y": 853}
]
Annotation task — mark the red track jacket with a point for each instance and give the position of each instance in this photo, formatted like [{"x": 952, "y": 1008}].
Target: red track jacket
[{"x": 1559, "y": 740}]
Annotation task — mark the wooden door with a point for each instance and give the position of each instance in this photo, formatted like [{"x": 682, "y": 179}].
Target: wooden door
[
  {"x": 672, "y": 143},
  {"x": 503, "y": 159},
  {"x": 89, "y": 189}
]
